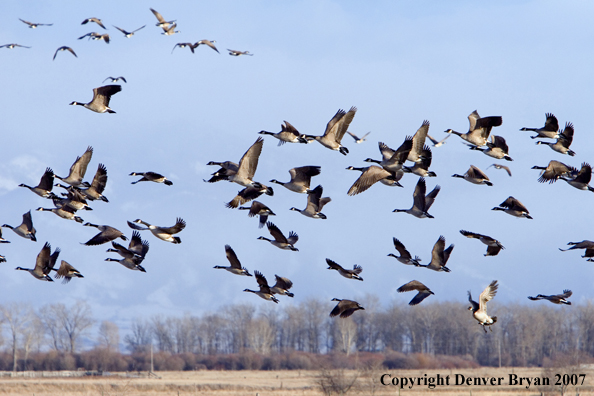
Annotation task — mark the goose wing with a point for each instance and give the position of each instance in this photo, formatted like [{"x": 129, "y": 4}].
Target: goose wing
[
  {"x": 437, "y": 260},
  {"x": 419, "y": 195},
  {"x": 276, "y": 233},
  {"x": 79, "y": 167},
  {"x": 158, "y": 16},
  {"x": 262, "y": 282},
  {"x": 339, "y": 124},
  {"x": 293, "y": 238},
  {"x": 135, "y": 226},
  {"x": 313, "y": 199},
  {"x": 551, "y": 123},
  {"x": 108, "y": 234},
  {"x": 64, "y": 270},
  {"x": 368, "y": 178},
  {"x": 28, "y": 223},
  {"x": 405, "y": 254},
  {"x": 473, "y": 304},
  {"x": 283, "y": 283},
  {"x": 256, "y": 208},
  {"x": 287, "y": 127},
  {"x": 180, "y": 224},
  {"x": 487, "y": 295},
  {"x": 446, "y": 255},
  {"x": 566, "y": 137},
  {"x": 472, "y": 119},
  {"x": 232, "y": 257},
  {"x": 475, "y": 173},
  {"x": 100, "y": 179},
  {"x": 303, "y": 174},
  {"x": 47, "y": 180},
  {"x": 419, "y": 297},
  {"x": 103, "y": 94},
  {"x": 469, "y": 234},
  {"x": 493, "y": 250},
  {"x": 566, "y": 294},
  {"x": 418, "y": 140},
  {"x": 334, "y": 265},
  {"x": 585, "y": 174},
  {"x": 430, "y": 198},
  {"x": 412, "y": 285},
  {"x": 386, "y": 151},
  {"x": 249, "y": 161},
  {"x": 43, "y": 259}
]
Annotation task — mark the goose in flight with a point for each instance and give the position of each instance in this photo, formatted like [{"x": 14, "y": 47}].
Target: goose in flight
[
  {"x": 549, "y": 130},
  {"x": 116, "y": 79},
  {"x": 43, "y": 264},
  {"x": 78, "y": 169},
  {"x": 163, "y": 233},
  {"x": 496, "y": 148},
  {"x": 45, "y": 186},
  {"x": 392, "y": 160},
  {"x": 499, "y": 166},
  {"x": 129, "y": 34},
  {"x": 101, "y": 98},
  {"x": 563, "y": 141},
  {"x": 209, "y": 43},
  {"x": 418, "y": 143},
  {"x": 554, "y": 170},
  {"x": 247, "y": 194},
  {"x": 25, "y": 229},
  {"x": 257, "y": 208},
  {"x": 280, "y": 241},
  {"x": 288, "y": 134},
  {"x": 347, "y": 273},
  {"x": 162, "y": 22},
  {"x": 556, "y": 298},
  {"x": 369, "y": 176},
  {"x": 282, "y": 286},
  {"x": 65, "y": 212},
  {"x": 247, "y": 166},
  {"x": 34, "y": 25},
  {"x": 95, "y": 191},
  {"x": 423, "y": 291},
  {"x": 493, "y": 245},
  {"x": 184, "y": 45},
  {"x": 96, "y": 20},
  {"x": 235, "y": 267},
  {"x": 300, "y": 179},
  {"x": 405, "y": 257},
  {"x": 357, "y": 138},
  {"x": 345, "y": 308},
  {"x": 479, "y": 310},
  {"x": 264, "y": 291},
  {"x": 11, "y": 46},
  {"x": 582, "y": 178},
  {"x": 421, "y": 202},
  {"x": 438, "y": 143},
  {"x": 137, "y": 248},
  {"x": 65, "y": 48},
  {"x": 421, "y": 166},
  {"x": 513, "y": 207},
  {"x": 238, "y": 53},
  {"x": 439, "y": 256},
  {"x": 67, "y": 272},
  {"x": 151, "y": 176},
  {"x": 479, "y": 129},
  {"x": 335, "y": 130},
  {"x": 106, "y": 234},
  {"x": 475, "y": 176},
  {"x": 315, "y": 203}
]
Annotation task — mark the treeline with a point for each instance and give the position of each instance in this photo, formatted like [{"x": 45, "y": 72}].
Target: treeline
[{"x": 300, "y": 336}]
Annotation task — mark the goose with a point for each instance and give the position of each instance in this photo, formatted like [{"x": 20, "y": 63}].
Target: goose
[
  {"x": 280, "y": 241},
  {"x": 493, "y": 245},
  {"x": 423, "y": 291},
  {"x": 300, "y": 179},
  {"x": 335, "y": 130},
  {"x": 556, "y": 298},
  {"x": 107, "y": 234},
  {"x": 582, "y": 179},
  {"x": 162, "y": 22},
  {"x": 418, "y": 143},
  {"x": 130, "y": 263},
  {"x": 65, "y": 212},
  {"x": 227, "y": 169},
  {"x": 184, "y": 45},
  {"x": 554, "y": 170},
  {"x": 128, "y": 34},
  {"x": 34, "y": 25},
  {"x": 345, "y": 308},
  {"x": 78, "y": 169},
  {"x": 151, "y": 176},
  {"x": 137, "y": 248},
  {"x": 282, "y": 286},
  {"x": 421, "y": 202},
  {"x": 65, "y": 48},
  {"x": 288, "y": 134},
  {"x": 90, "y": 35},
  {"x": 116, "y": 79},
  {"x": 104, "y": 37},
  {"x": 2, "y": 259},
  {"x": 247, "y": 166},
  {"x": 349, "y": 274},
  {"x": 496, "y": 148},
  {"x": 11, "y": 46},
  {"x": 95, "y": 191},
  {"x": 505, "y": 168},
  {"x": 3, "y": 240},
  {"x": 209, "y": 43},
  {"x": 369, "y": 176},
  {"x": 238, "y": 53},
  {"x": 549, "y": 130},
  {"x": 357, "y": 138},
  {"x": 259, "y": 209},
  {"x": 513, "y": 207},
  {"x": 405, "y": 257},
  {"x": 235, "y": 267},
  {"x": 439, "y": 256},
  {"x": 438, "y": 143},
  {"x": 475, "y": 176},
  {"x": 74, "y": 199},
  {"x": 479, "y": 130},
  {"x": 247, "y": 194},
  {"x": 421, "y": 166},
  {"x": 25, "y": 229},
  {"x": 44, "y": 188},
  {"x": 42, "y": 264},
  {"x": 67, "y": 272},
  {"x": 585, "y": 244},
  {"x": 315, "y": 204},
  {"x": 101, "y": 97},
  {"x": 96, "y": 20},
  {"x": 163, "y": 233},
  {"x": 264, "y": 291},
  {"x": 479, "y": 310},
  {"x": 170, "y": 30},
  {"x": 563, "y": 141},
  {"x": 392, "y": 161}
]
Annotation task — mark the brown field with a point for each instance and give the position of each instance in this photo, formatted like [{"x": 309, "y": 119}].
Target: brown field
[{"x": 278, "y": 383}]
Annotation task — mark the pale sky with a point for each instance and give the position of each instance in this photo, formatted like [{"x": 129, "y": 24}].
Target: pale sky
[{"x": 399, "y": 63}]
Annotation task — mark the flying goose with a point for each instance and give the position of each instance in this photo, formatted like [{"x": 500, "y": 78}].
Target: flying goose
[
  {"x": 513, "y": 207},
  {"x": 418, "y": 143},
  {"x": 264, "y": 291},
  {"x": 554, "y": 170},
  {"x": 95, "y": 191},
  {"x": 34, "y": 25},
  {"x": 247, "y": 194},
  {"x": 282, "y": 286},
  {"x": 563, "y": 141},
  {"x": 74, "y": 199},
  {"x": 107, "y": 234},
  {"x": 585, "y": 244},
  {"x": 392, "y": 161},
  {"x": 78, "y": 170},
  {"x": 369, "y": 176},
  {"x": 496, "y": 148},
  {"x": 347, "y": 273},
  {"x": 498, "y": 166},
  {"x": 128, "y": 34},
  {"x": 101, "y": 97},
  {"x": 44, "y": 188},
  {"x": 209, "y": 43},
  {"x": 315, "y": 203},
  {"x": 421, "y": 202},
  {"x": 475, "y": 176},
  {"x": 421, "y": 166},
  {"x": 479, "y": 310},
  {"x": 335, "y": 130},
  {"x": 65, "y": 48},
  {"x": 97, "y": 36},
  {"x": 556, "y": 298},
  {"x": 235, "y": 267},
  {"x": 137, "y": 248},
  {"x": 300, "y": 179},
  {"x": 96, "y": 20},
  {"x": 130, "y": 263},
  {"x": 259, "y": 209},
  {"x": 2, "y": 259},
  {"x": 151, "y": 176},
  {"x": 288, "y": 134},
  {"x": 163, "y": 233},
  {"x": 439, "y": 256},
  {"x": 549, "y": 130},
  {"x": 345, "y": 308},
  {"x": 184, "y": 45},
  {"x": 357, "y": 138},
  {"x": 162, "y": 22},
  {"x": 280, "y": 241},
  {"x": 437, "y": 143},
  {"x": 67, "y": 272},
  {"x": 405, "y": 257},
  {"x": 423, "y": 291},
  {"x": 168, "y": 31},
  {"x": 65, "y": 212},
  {"x": 25, "y": 229},
  {"x": 479, "y": 129},
  {"x": 238, "y": 53},
  {"x": 116, "y": 79},
  {"x": 582, "y": 179},
  {"x": 493, "y": 245},
  {"x": 42, "y": 264},
  {"x": 227, "y": 168},
  {"x": 11, "y": 46},
  {"x": 247, "y": 166}
]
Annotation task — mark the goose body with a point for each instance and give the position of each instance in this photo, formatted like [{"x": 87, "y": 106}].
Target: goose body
[
  {"x": 347, "y": 273},
  {"x": 163, "y": 233},
  {"x": 130, "y": 263},
  {"x": 65, "y": 48},
  {"x": 238, "y": 53},
  {"x": 137, "y": 248},
  {"x": 282, "y": 286},
  {"x": 554, "y": 170},
  {"x": 65, "y": 212},
  {"x": 248, "y": 194},
  {"x": 414, "y": 285},
  {"x": 496, "y": 148},
  {"x": 288, "y": 134},
  {"x": 66, "y": 272},
  {"x": 101, "y": 98},
  {"x": 581, "y": 180},
  {"x": 556, "y": 298},
  {"x": 479, "y": 310},
  {"x": 475, "y": 176},
  {"x": 369, "y": 176},
  {"x": 493, "y": 245},
  {"x": 151, "y": 176},
  {"x": 300, "y": 179},
  {"x": 439, "y": 256},
  {"x": 106, "y": 234},
  {"x": 549, "y": 130},
  {"x": 513, "y": 207},
  {"x": 345, "y": 308}
]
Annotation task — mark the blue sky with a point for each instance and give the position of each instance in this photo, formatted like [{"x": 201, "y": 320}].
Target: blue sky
[{"x": 398, "y": 62}]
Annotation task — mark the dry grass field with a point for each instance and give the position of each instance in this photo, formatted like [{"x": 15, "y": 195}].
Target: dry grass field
[{"x": 282, "y": 383}]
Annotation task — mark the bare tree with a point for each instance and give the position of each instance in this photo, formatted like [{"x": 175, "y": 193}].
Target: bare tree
[
  {"x": 140, "y": 338},
  {"x": 66, "y": 324},
  {"x": 16, "y": 315},
  {"x": 109, "y": 336}
]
